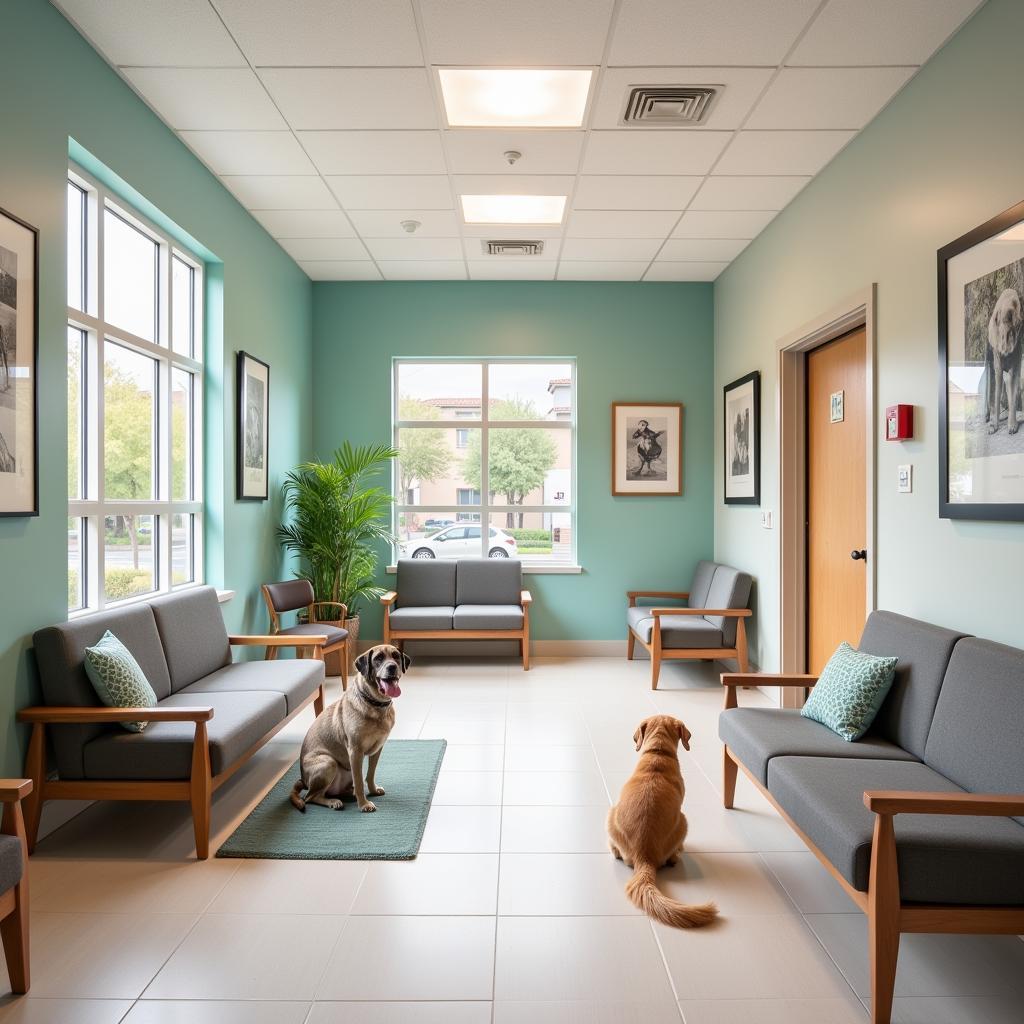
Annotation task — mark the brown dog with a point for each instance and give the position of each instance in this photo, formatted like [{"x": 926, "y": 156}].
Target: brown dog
[{"x": 646, "y": 828}]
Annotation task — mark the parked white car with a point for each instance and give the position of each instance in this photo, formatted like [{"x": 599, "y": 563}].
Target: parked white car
[{"x": 459, "y": 541}]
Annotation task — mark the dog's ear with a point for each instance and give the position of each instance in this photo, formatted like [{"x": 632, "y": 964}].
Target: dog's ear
[
  {"x": 406, "y": 661},
  {"x": 684, "y": 735},
  {"x": 638, "y": 736},
  {"x": 363, "y": 664}
]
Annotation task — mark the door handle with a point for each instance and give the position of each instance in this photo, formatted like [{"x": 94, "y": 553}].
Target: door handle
[{"x": 860, "y": 555}]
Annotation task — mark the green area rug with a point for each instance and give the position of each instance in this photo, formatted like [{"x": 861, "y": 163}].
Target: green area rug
[{"x": 275, "y": 830}]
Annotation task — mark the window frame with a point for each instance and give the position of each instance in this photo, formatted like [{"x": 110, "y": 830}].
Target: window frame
[{"x": 92, "y": 506}]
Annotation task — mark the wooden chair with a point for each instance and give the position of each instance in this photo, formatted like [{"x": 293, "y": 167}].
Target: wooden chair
[
  {"x": 297, "y": 595},
  {"x": 14, "y": 901}
]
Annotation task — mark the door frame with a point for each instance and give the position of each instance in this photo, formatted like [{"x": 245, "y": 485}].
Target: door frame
[{"x": 856, "y": 310}]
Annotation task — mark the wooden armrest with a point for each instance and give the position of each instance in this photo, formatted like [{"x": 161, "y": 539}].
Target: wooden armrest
[
  {"x": 998, "y": 805},
  {"x": 729, "y": 613},
  {"x": 682, "y": 595},
  {"x": 389, "y": 597},
  {"x": 333, "y": 604},
  {"x": 13, "y": 790},
  {"x": 525, "y": 597},
  {"x": 290, "y": 640},
  {"x": 83, "y": 716},
  {"x": 767, "y": 679}
]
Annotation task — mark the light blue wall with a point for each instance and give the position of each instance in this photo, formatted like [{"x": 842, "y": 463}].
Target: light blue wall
[
  {"x": 56, "y": 88},
  {"x": 632, "y": 342},
  {"x": 945, "y": 156}
]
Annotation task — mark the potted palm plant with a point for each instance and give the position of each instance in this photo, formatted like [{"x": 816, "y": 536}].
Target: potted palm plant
[{"x": 335, "y": 522}]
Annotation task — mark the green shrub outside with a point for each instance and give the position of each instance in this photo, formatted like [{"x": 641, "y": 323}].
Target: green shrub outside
[
  {"x": 523, "y": 535},
  {"x": 121, "y": 583}
]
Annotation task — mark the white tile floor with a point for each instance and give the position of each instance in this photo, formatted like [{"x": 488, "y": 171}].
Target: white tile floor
[{"x": 514, "y": 911}]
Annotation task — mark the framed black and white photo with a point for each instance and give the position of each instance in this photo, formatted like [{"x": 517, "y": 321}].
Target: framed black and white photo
[
  {"x": 742, "y": 448},
  {"x": 19, "y": 344},
  {"x": 647, "y": 448},
  {"x": 252, "y": 448},
  {"x": 981, "y": 344}
]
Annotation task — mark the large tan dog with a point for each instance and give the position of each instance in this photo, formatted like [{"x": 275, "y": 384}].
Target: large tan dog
[
  {"x": 646, "y": 828},
  {"x": 357, "y": 726}
]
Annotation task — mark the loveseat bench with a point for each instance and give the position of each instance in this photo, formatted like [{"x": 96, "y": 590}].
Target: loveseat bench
[{"x": 922, "y": 820}]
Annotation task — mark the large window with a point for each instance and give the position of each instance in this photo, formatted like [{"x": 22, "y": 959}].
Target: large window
[
  {"x": 135, "y": 386},
  {"x": 489, "y": 443}
]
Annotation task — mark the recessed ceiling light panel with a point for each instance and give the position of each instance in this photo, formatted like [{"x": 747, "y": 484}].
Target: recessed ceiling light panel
[
  {"x": 515, "y": 97},
  {"x": 513, "y": 209}
]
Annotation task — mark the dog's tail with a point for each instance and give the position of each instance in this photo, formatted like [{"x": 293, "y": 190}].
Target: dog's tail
[
  {"x": 297, "y": 800},
  {"x": 645, "y": 894}
]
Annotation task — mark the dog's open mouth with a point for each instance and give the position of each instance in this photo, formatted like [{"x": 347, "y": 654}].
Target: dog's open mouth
[{"x": 389, "y": 687}]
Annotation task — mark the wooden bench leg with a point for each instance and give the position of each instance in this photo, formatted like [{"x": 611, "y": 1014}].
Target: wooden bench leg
[
  {"x": 729, "y": 771},
  {"x": 35, "y": 769},
  {"x": 741, "y": 646},
  {"x": 15, "y": 926},
  {"x": 318, "y": 701},
  {"x": 344, "y": 665},
  {"x": 201, "y": 790},
  {"x": 883, "y": 919},
  {"x": 630, "y": 643}
]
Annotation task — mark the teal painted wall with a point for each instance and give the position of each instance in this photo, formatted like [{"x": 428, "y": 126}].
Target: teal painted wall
[
  {"x": 59, "y": 88},
  {"x": 945, "y": 156},
  {"x": 632, "y": 342}
]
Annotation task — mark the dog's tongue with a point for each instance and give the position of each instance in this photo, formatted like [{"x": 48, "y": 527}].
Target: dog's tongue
[{"x": 392, "y": 689}]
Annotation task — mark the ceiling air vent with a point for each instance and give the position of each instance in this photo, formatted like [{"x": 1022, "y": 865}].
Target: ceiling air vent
[
  {"x": 500, "y": 247},
  {"x": 668, "y": 105}
]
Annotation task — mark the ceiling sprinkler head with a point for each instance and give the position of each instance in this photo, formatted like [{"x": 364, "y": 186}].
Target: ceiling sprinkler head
[
  {"x": 512, "y": 155},
  {"x": 411, "y": 225}
]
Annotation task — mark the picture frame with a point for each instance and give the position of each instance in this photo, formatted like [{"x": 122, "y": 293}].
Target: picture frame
[
  {"x": 741, "y": 448},
  {"x": 980, "y": 348},
  {"x": 19, "y": 360},
  {"x": 252, "y": 440},
  {"x": 647, "y": 448}
]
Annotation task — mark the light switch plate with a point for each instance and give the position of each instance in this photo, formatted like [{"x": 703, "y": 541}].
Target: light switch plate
[
  {"x": 904, "y": 479},
  {"x": 766, "y": 518}
]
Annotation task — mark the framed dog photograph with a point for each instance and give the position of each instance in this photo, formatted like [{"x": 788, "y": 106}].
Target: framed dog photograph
[
  {"x": 252, "y": 444},
  {"x": 981, "y": 398},
  {"x": 742, "y": 448},
  {"x": 647, "y": 448},
  {"x": 19, "y": 349}
]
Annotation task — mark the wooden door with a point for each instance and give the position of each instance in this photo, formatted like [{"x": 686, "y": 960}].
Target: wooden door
[{"x": 836, "y": 495}]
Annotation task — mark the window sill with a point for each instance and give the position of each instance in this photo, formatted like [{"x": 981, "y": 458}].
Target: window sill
[{"x": 529, "y": 570}]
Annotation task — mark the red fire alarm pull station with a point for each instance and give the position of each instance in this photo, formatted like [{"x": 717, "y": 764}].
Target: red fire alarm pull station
[{"x": 899, "y": 423}]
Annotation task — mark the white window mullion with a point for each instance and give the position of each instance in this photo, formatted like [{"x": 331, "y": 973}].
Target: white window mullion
[{"x": 485, "y": 489}]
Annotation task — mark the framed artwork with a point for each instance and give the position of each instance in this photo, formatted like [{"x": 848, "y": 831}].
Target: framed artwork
[
  {"x": 981, "y": 344},
  {"x": 19, "y": 350},
  {"x": 742, "y": 412},
  {"x": 647, "y": 448},
  {"x": 252, "y": 444}
]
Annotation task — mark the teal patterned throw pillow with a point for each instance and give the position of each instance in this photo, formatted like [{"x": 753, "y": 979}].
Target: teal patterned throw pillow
[
  {"x": 117, "y": 678},
  {"x": 849, "y": 691}
]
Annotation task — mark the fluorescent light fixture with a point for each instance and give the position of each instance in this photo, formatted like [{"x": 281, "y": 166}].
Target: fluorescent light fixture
[
  {"x": 513, "y": 209},
  {"x": 515, "y": 97}
]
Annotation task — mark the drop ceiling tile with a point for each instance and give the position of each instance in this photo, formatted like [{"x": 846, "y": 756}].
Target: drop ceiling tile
[
  {"x": 301, "y": 249},
  {"x": 723, "y": 223},
  {"x": 507, "y": 269},
  {"x": 622, "y": 223},
  {"x": 324, "y": 33},
  {"x": 731, "y": 192},
  {"x": 423, "y": 270},
  {"x": 524, "y": 33},
  {"x": 392, "y": 191},
  {"x": 827, "y": 97},
  {"x": 280, "y": 192},
  {"x": 388, "y": 223},
  {"x": 508, "y": 231},
  {"x": 784, "y": 152},
  {"x": 207, "y": 98},
  {"x": 384, "y": 152},
  {"x": 739, "y": 89},
  {"x": 305, "y": 223},
  {"x": 851, "y": 32},
  {"x": 413, "y": 248},
  {"x": 341, "y": 270},
  {"x": 648, "y": 151},
  {"x": 667, "y": 271},
  {"x": 601, "y": 270},
  {"x": 711, "y": 249},
  {"x": 610, "y": 248},
  {"x": 513, "y": 184},
  {"x": 249, "y": 152},
  {"x": 543, "y": 152},
  {"x": 316, "y": 98},
  {"x": 634, "y": 192},
  {"x": 707, "y": 31},
  {"x": 187, "y": 33}
]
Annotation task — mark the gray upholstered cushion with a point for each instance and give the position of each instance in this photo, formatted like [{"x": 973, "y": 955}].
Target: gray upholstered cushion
[
  {"x": 942, "y": 858},
  {"x": 164, "y": 750},
  {"x": 729, "y": 589},
  {"x": 60, "y": 654},
  {"x": 678, "y": 632},
  {"x": 977, "y": 729},
  {"x": 756, "y": 735},
  {"x": 430, "y": 617},
  {"x": 192, "y": 630},
  {"x": 334, "y": 634},
  {"x": 488, "y": 581},
  {"x": 701, "y": 584},
  {"x": 488, "y": 616},
  {"x": 11, "y": 864},
  {"x": 923, "y": 651},
  {"x": 294, "y": 678},
  {"x": 423, "y": 582}
]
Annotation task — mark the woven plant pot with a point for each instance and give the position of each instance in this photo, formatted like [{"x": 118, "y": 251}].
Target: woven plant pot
[
  {"x": 352, "y": 625},
  {"x": 332, "y": 661}
]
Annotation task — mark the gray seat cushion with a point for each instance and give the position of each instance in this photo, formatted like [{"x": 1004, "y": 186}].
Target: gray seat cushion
[
  {"x": 488, "y": 581},
  {"x": 756, "y": 735},
  {"x": 425, "y": 583},
  {"x": 942, "y": 858},
  {"x": 488, "y": 616},
  {"x": 192, "y": 631},
  {"x": 429, "y": 617},
  {"x": 701, "y": 584},
  {"x": 729, "y": 589},
  {"x": 11, "y": 864},
  {"x": 334, "y": 634},
  {"x": 164, "y": 750},
  {"x": 295, "y": 679},
  {"x": 678, "y": 632}
]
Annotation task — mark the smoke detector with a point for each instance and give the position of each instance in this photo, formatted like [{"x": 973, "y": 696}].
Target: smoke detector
[
  {"x": 512, "y": 247},
  {"x": 411, "y": 225},
  {"x": 668, "y": 105},
  {"x": 512, "y": 155}
]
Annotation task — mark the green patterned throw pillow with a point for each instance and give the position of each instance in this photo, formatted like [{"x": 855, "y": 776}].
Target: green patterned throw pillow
[
  {"x": 849, "y": 691},
  {"x": 117, "y": 678}
]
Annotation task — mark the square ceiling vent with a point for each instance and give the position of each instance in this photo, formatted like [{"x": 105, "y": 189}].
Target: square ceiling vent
[
  {"x": 502, "y": 247},
  {"x": 668, "y": 105}
]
